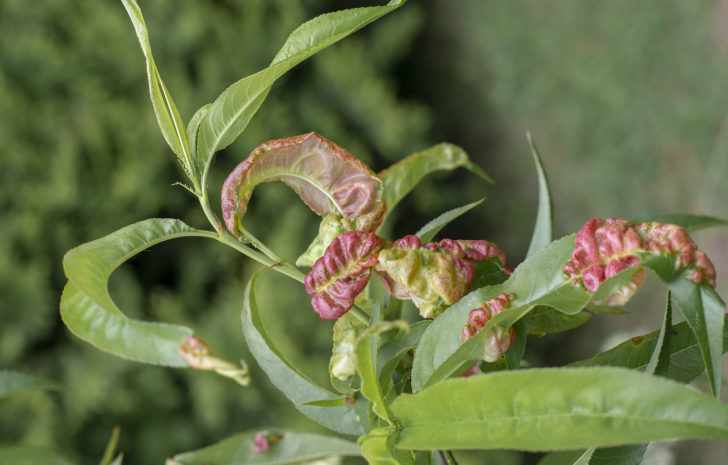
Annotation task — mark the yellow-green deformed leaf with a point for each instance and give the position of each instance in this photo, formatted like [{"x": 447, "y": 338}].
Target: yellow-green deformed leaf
[
  {"x": 297, "y": 387},
  {"x": 170, "y": 122},
  {"x": 542, "y": 231},
  {"x": 230, "y": 113},
  {"x": 286, "y": 447},
  {"x": 400, "y": 178},
  {"x": 549, "y": 409},
  {"x": 12, "y": 382},
  {"x": 88, "y": 310}
]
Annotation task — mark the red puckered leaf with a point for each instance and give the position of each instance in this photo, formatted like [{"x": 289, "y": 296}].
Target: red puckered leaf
[
  {"x": 342, "y": 273},
  {"x": 328, "y": 179}
]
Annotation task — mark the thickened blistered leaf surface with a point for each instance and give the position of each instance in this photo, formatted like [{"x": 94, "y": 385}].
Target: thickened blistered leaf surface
[
  {"x": 326, "y": 177},
  {"x": 342, "y": 273}
]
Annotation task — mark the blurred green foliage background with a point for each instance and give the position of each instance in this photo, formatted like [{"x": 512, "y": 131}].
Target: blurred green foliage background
[{"x": 626, "y": 102}]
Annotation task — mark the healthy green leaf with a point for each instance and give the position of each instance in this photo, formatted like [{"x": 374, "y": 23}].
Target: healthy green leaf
[
  {"x": 547, "y": 320},
  {"x": 430, "y": 230},
  {"x": 291, "y": 448},
  {"x": 543, "y": 229},
  {"x": 110, "y": 447},
  {"x": 366, "y": 356},
  {"x": 686, "y": 362},
  {"x": 391, "y": 352},
  {"x": 547, "y": 409},
  {"x": 168, "y": 117},
  {"x": 88, "y": 310},
  {"x": 400, "y": 178},
  {"x": 230, "y": 113},
  {"x": 660, "y": 360},
  {"x": 688, "y": 222},
  {"x": 12, "y": 382},
  {"x": 29, "y": 455},
  {"x": 704, "y": 312},
  {"x": 293, "y": 384},
  {"x": 378, "y": 448}
]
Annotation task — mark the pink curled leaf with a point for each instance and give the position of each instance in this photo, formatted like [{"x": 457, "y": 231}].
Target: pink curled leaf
[
  {"x": 607, "y": 247},
  {"x": 342, "y": 273},
  {"x": 328, "y": 179},
  {"x": 260, "y": 444},
  {"x": 498, "y": 340}
]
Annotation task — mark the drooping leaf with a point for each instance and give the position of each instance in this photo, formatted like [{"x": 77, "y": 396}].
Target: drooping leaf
[
  {"x": 547, "y": 409},
  {"x": 298, "y": 388},
  {"x": 342, "y": 273},
  {"x": 289, "y": 447},
  {"x": 400, "y": 178},
  {"x": 543, "y": 229},
  {"x": 12, "y": 382},
  {"x": 230, "y": 113},
  {"x": 659, "y": 363},
  {"x": 88, "y": 310},
  {"x": 168, "y": 117},
  {"x": 367, "y": 360},
  {"x": 430, "y": 230},
  {"x": 689, "y": 222},
  {"x": 29, "y": 455},
  {"x": 328, "y": 179}
]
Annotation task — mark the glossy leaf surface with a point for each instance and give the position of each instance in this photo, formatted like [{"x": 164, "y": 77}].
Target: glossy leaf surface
[
  {"x": 400, "y": 178},
  {"x": 542, "y": 230},
  {"x": 88, "y": 310},
  {"x": 430, "y": 230},
  {"x": 291, "y": 448},
  {"x": 230, "y": 113},
  {"x": 328, "y": 179},
  {"x": 298, "y": 388},
  {"x": 547, "y": 409},
  {"x": 13, "y": 381},
  {"x": 170, "y": 122}
]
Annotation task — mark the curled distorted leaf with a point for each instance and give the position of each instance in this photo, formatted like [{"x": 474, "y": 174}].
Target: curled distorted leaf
[
  {"x": 197, "y": 354},
  {"x": 343, "y": 356},
  {"x": 606, "y": 247},
  {"x": 433, "y": 275},
  {"x": 499, "y": 340},
  {"x": 328, "y": 179},
  {"x": 342, "y": 273},
  {"x": 331, "y": 226}
]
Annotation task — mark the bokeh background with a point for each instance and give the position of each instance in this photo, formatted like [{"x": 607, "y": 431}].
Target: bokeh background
[{"x": 627, "y": 103}]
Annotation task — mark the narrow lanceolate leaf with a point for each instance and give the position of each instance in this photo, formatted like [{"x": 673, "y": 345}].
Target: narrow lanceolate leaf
[
  {"x": 230, "y": 113},
  {"x": 168, "y": 117},
  {"x": 430, "y": 230},
  {"x": 298, "y": 388},
  {"x": 285, "y": 447},
  {"x": 686, "y": 363},
  {"x": 366, "y": 356},
  {"x": 12, "y": 382},
  {"x": 542, "y": 231},
  {"x": 400, "y": 178},
  {"x": 328, "y": 179},
  {"x": 88, "y": 310},
  {"x": 547, "y": 409}
]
